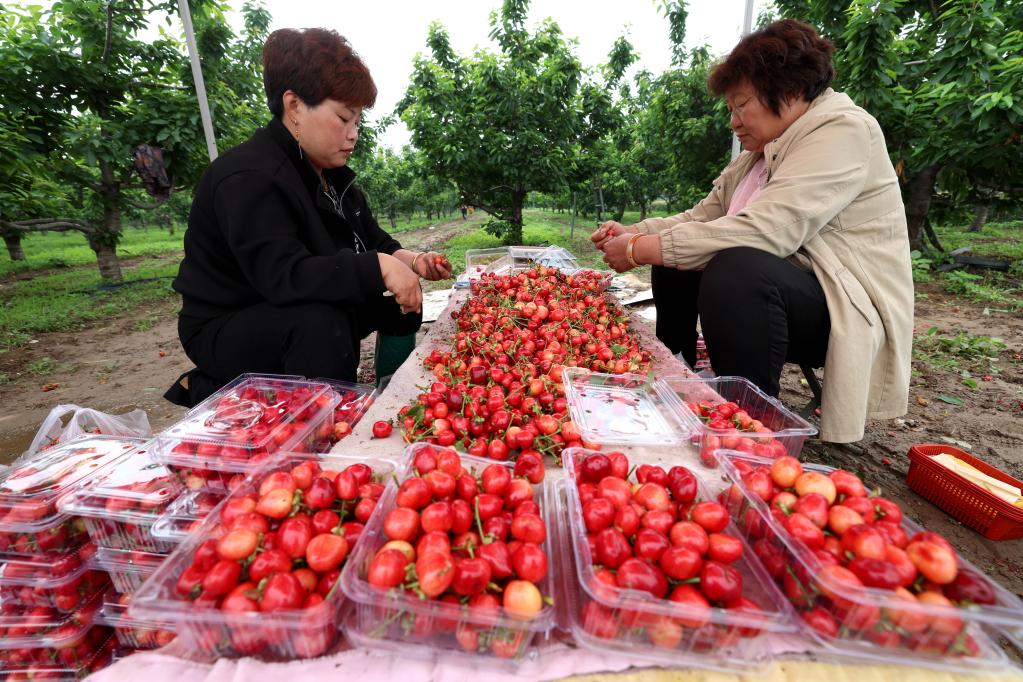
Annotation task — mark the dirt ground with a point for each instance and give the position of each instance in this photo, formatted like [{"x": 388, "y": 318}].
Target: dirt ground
[{"x": 128, "y": 362}]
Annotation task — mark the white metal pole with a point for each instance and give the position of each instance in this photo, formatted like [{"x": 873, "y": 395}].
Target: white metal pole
[
  {"x": 747, "y": 26},
  {"x": 200, "y": 85}
]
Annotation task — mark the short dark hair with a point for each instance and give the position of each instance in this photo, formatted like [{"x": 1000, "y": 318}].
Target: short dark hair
[
  {"x": 785, "y": 59},
  {"x": 315, "y": 63}
]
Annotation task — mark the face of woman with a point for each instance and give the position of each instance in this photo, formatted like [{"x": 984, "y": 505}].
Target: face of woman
[
  {"x": 753, "y": 121},
  {"x": 327, "y": 132}
]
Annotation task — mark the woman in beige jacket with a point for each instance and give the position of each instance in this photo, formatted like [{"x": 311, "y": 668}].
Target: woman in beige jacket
[{"x": 800, "y": 251}]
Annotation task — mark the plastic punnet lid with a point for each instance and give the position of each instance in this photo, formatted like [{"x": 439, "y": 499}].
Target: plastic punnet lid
[
  {"x": 135, "y": 491},
  {"x": 108, "y": 559},
  {"x": 182, "y": 515},
  {"x": 47, "y": 628},
  {"x": 244, "y": 423},
  {"x": 115, "y": 613},
  {"x": 622, "y": 408},
  {"x": 29, "y": 490},
  {"x": 98, "y": 656},
  {"x": 46, "y": 570}
]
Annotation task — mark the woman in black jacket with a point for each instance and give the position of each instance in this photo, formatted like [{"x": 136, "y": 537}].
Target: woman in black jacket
[{"x": 285, "y": 268}]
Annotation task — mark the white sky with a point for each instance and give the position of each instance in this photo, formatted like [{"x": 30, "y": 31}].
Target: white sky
[{"x": 388, "y": 33}]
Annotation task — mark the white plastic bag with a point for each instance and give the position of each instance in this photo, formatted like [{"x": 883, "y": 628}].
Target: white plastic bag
[{"x": 68, "y": 421}]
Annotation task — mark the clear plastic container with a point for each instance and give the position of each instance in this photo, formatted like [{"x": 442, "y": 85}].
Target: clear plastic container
[
  {"x": 133, "y": 633},
  {"x": 185, "y": 514},
  {"x": 59, "y": 581},
  {"x": 205, "y": 479},
  {"x": 94, "y": 652},
  {"x": 874, "y": 624},
  {"x": 352, "y": 402},
  {"x": 121, "y": 505},
  {"x": 285, "y": 634},
  {"x": 478, "y": 261},
  {"x": 402, "y": 622},
  {"x": 608, "y": 618},
  {"x": 40, "y": 627},
  {"x": 30, "y": 522},
  {"x": 241, "y": 427},
  {"x": 127, "y": 569},
  {"x": 623, "y": 409},
  {"x": 785, "y": 430}
]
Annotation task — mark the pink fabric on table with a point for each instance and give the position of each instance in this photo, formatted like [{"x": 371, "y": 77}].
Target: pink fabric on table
[
  {"x": 560, "y": 661},
  {"x": 749, "y": 187}
]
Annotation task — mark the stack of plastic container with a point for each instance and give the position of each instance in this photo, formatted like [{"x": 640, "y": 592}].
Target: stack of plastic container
[
  {"x": 875, "y": 625},
  {"x": 212, "y": 628},
  {"x": 49, "y": 593},
  {"x": 244, "y": 426},
  {"x": 119, "y": 509}
]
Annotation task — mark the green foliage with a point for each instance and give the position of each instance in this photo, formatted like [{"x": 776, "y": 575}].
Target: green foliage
[
  {"x": 500, "y": 125},
  {"x": 945, "y": 80},
  {"x": 43, "y": 366},
  {"x": 84, "y": 88},
  {"x": 976, "y": 353},
  {"x": 981, "y": 288},
  {"x": 921, "y": 267}
]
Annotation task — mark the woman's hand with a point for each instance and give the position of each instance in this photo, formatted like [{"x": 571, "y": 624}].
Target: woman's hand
[
  {"x": 614, "y": 252},
  {"x": 608, "y": 231},
  {"x": 402, "y": 282},
  {"x": 433, "y": 266}
]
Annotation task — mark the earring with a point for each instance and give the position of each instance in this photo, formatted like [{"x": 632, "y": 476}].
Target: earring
[{"x": 298, "y": 138}]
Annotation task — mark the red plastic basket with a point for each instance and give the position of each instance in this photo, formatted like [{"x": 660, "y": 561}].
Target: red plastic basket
[{"x": 974, "y": 507}]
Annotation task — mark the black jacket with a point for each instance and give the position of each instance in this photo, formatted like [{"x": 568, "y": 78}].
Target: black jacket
[{"x": 262, "y": 230}]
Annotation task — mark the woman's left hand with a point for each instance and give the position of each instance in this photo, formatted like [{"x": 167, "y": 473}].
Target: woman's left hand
[
  {"x": 614, "y": 253},
  {"x": 433, "y": 266}
]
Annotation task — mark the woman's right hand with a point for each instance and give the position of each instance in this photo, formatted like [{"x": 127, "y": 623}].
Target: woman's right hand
[
  {"x": 402, "y": 282},
  {"x": 609, "y": 230}
]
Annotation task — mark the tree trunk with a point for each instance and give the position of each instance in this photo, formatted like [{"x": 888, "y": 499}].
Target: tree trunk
[
  {"x": 920, "y": 189},
  {"x": 109, "y": 266},
  {"x": 104, "y": 242},
  {"x": 979, "y": 217},
  {"x": 642, "y": 210},
  {"x": 619, "y": 214},
  {"x": 392, "y": 216},
  {"x": 13, "y": 242},
  {"x": 514, "y": 235}
]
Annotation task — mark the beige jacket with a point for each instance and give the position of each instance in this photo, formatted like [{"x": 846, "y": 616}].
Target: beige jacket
[{"x": 831, "y": 203}]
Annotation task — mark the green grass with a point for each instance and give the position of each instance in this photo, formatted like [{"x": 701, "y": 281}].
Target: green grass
[
  {"x": 42, "y": 366},
  {"x": 995, "y": 240},
  {"x": 66, "y": 249},
  {"x": 67, "y": 299}
]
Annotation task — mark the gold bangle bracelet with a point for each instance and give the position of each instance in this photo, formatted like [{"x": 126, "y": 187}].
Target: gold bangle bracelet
[
  {"x": 629, "y": 248},
  {"x": 414, "y": 260}
]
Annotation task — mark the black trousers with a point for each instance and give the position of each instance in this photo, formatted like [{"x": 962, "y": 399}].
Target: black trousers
[
  {"x": 309, "y": 339},
  {"x": 757, "y": 312}
]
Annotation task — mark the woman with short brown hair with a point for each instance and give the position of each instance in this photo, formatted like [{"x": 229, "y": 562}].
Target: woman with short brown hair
[
  {"x": 285, "y": 267},
  {"x": 800, "y": 251}
]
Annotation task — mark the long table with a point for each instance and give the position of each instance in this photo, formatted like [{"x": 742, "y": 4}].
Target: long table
[{"x": 413, "y": 378}]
